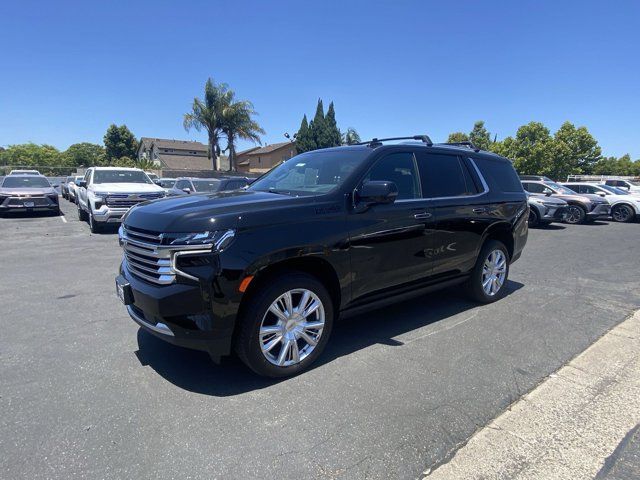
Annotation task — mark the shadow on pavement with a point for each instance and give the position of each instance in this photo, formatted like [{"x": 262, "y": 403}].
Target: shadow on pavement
[{"x": 194, "y": 371}]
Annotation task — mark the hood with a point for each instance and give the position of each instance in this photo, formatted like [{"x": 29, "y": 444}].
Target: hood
[
  {"x": 127, "y": 188},
  {"x": 550, "y": 199},
  {"x": 28, "y": 191},
  {"x": 204, "y": 211},
  {"x": 578, "y": 197},
  {"x": 594, "y": 198}
]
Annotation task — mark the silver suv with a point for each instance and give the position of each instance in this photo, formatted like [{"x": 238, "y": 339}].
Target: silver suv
[{"x": 105, "y": 194}]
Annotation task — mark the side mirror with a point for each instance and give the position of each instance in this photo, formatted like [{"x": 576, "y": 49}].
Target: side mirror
[
  {"x": 378, "y": 191},
  {"x": 547, "y": 192},
  {"x": 602, "y": 194},
  {"x": 82, "y": 183},
  {"x": 186, "y": 190},
  {"x": 55, "y": 185},
  {"x": 157, "y": 182}
]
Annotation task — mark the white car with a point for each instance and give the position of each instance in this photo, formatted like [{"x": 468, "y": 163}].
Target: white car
[
  {"x": 24, "y": 172},
  {"x": 628, "y": 185},
  {"x": 105, "y": 194},
  {"x": 625, "y": 207},
  {"x": 72, "y": 188}
]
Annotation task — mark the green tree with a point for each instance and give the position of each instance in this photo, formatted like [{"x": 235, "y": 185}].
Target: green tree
[
  {"x": 575, "y": 151},
  {"x": 332, "y": 133},
  {"x": 304, "y": 138},
  {"x": 32, "y": 155},
  {"x": 207, "y": 114},
  {"x": 318, "y": 128},
  {"x": 480, "y": 136},
  {"x": 87, "y": 154},
  {"x": 531, "y": 150},
  {"x": 120, "y": 142},
  {"x": 617, "y": 166},
  {"x": 237, "y": 122},
  {"x": 456, "y": 137},
  {"x": 350, "y": 137}
]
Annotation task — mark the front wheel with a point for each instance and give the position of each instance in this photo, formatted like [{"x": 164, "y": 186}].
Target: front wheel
[
  {"x": 622, "y": 213},
  {"x": 94, "y": 226},
  {"x": 82, "y": 215},
  {"x": 534, "y": 218},
  {"x": 285, "y": 325},
  {"x": 575, "y": 214},
  {"x": 487, "y": 281}
]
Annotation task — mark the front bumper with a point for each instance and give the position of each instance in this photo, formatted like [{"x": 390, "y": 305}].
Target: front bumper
[
  {"x": 194, "y": 314},
  {"x": 554, "y": 214},
  {"x": 601, "y": 210},
  {"x": 109, "y": 214},
  {"x": 29, "y": 204}
]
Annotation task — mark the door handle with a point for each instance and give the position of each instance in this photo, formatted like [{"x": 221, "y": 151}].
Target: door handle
[
  {"x": 422, "y": 216},
  {"x": 480, "y": 210}
]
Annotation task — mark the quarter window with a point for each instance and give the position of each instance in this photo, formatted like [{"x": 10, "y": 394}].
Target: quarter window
[
  {"x": 444, "y": 176},
  {"x": 400, "y": 169}
]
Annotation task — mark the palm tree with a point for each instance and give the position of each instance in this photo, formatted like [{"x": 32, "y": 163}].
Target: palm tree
[
  {"x": 350, "y": 137},
  {"x": 207, "y": 114},
  {"x": 237, "y": 122}
]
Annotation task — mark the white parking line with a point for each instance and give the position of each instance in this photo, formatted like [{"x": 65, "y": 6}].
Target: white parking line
[{"x": 63, "y": 219}]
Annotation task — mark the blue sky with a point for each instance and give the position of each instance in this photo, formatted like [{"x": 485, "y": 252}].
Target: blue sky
[{"x": 69, "y": 69}]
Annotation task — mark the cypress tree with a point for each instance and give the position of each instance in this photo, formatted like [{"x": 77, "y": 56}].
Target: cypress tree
[
  {"x": 304, "y": 140},
  {"x": 334, "y": 138},
  {"x": 317, "y": 127}
]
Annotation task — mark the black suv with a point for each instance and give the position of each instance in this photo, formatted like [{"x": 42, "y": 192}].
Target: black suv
[{"x": 265, "y": 271}]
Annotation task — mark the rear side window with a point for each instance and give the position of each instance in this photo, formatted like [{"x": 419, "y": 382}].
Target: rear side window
[
  {"x": 533, "y": 187},
  {"x": 444, "y": 176},
  {"x": 499, "y": 174}
]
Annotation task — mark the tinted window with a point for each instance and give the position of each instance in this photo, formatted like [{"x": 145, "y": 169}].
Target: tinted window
[
  {"x": 120, "y": 176},
  {"x": 533, "y": 187},
  {"x": 444, "y": 176},
  {"x": 235, "y": 185},
  {"x": 400, "y": 169},
  {"x": 499, "y": 174},
  {"x": 181, "y": 184},
  {"x": 19, "y": 181},
  {"x": 167, "y": 183},
  {"x": 206, "y": 185}
]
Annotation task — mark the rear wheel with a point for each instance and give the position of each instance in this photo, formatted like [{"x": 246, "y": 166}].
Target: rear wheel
[
  {"x": 94, "y": 226},
  {"x": 285, "y": 326},
  {"x": 622, "y": 213},
  {"x": 575, "y": 214},
  {"x": 489, "y": 276},
  {"x": 82, "y": 215}
]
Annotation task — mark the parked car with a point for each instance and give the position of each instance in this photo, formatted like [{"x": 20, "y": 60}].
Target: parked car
[
  {"x": 64, "y": 187},
  {"x": 582, "y": 208},
  {"x": 166, "y": 183},
  {"x": 630, "y": 185},
  {"x": 152, "y": 176},
  {"x": 72, "y": 188},
  {"x": 24, "y": 172},
  {"x": 105, "y": 194},
  {"x": 624, "y": 206},
  {"x": 185, "y": 186},
  {"x": 545, "y": 210},
  {"x": 265, "y": 270},
  {"x": 28, "y": 193}
]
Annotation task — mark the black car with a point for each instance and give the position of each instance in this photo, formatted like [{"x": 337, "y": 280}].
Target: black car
[
  {"x": 265, "y": 271},
  {"x": 186, "y": 186}
]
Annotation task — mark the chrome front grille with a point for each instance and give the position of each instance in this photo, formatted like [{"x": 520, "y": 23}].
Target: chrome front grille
[
  {"x": 125, "y": 200},
  {"x": 145, "y": 256}
]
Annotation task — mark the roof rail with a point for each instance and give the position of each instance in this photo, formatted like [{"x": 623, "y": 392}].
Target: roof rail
[
  {"x": 376, "y": 142},
  {"x": 462, "y": 144}
]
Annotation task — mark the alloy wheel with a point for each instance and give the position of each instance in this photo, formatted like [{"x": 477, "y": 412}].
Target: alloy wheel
[
  {"x": 574, "y": 214},
  {"x": 621, "y": 213},
  {"x": 494, "y": 272},
  {"x": 291, "y": 328}
]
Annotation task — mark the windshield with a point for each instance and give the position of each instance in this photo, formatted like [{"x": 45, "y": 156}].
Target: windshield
[
  {"x": 312, "y": 173},
  {"x": 167, "y": 183},
  {"x": 560, "y": 188},
  {"x": 614, "y": 190},
  {"x": 152, "y": 176},
  {"x": 206, "y": 185},
  {"x": 120, "y": 176},
  {"x": 19, "y": 181}
]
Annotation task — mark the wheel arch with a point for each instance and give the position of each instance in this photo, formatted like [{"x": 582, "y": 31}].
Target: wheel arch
[{"x": 503, "y": 233}]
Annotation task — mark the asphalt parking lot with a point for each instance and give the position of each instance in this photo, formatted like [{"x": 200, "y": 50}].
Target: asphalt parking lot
[{"x": 85, "y": 394}]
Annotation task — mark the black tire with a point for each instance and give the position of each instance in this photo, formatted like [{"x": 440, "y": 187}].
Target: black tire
[
  {"x": 94, "y": 226},
  {"x": 575, "y": 214},
  {"x": 82, "y": 215},
  {"x": 534, "y": 217},
  {"x": 474, "y": 286},
  {"x": 622, "y": 213},
  {"x": 248, "y": 346}
]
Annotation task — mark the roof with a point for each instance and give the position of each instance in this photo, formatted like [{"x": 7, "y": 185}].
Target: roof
[
  {"x": 266, "y": 149},
  {"x": 116, "y": 168},
  {"x": 188, "y": 162},
  {"x": 175, "y": 144}
]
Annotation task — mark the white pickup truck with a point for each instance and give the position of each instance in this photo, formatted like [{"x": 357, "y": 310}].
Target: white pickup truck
[{"x": 105, "y": 194}]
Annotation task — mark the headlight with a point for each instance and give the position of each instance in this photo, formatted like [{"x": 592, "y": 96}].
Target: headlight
[{"x": 219, "y": 239}]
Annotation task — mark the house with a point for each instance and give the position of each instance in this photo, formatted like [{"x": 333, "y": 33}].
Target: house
[
  {"x": 262, "y": 159},
  {"x": 177, "y": 155}
]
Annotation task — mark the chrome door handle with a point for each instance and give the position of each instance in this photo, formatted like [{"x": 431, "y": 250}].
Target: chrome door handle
[
  {"x": 480, "y": 210},
  {"x": 422, "y": 216}
]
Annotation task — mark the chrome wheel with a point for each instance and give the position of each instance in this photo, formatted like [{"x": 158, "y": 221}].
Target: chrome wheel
[
  {"x": 574, "y": 214},
  {"x": 291, "y": 328},
  {"x": 494, "y": 272}
]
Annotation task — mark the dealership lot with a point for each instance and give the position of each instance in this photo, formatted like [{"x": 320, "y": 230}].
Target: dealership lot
[{"x": 88, "y": 394}]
